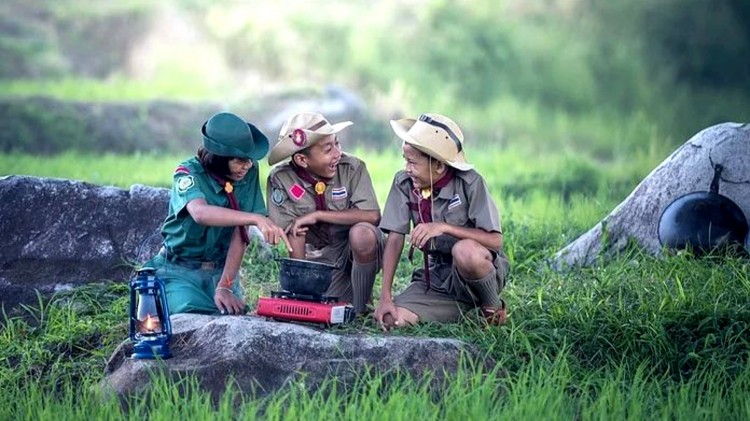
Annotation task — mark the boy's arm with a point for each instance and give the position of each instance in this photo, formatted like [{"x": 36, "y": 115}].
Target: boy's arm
[
  {"x": 345, "y": 217},
  {"x": 391, "y": 255},
  {"x": 422, "y": 234}
]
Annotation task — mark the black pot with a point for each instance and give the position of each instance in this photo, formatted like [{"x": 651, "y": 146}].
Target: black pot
[
  {"x": 305, "y": 277},
  {"x": 703, "y": 220}
]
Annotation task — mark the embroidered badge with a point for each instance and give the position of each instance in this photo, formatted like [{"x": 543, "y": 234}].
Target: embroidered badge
[
  {"x": 299, "y": 137},
  {"x": 296, "y": 191},
  {"x": 184, "y": 183},
  {"x": 181, "y": 169},
  {"x": 455, "y": 201},
  {"x": 277, "y": 196},
  {"x": 339, "y": 193}
]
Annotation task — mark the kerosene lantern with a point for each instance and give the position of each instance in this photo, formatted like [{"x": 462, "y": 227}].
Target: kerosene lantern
[{"x": 150, "y": 328}]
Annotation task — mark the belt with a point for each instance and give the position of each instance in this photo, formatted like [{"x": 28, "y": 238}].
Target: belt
[{"x": 192, "y": 264}]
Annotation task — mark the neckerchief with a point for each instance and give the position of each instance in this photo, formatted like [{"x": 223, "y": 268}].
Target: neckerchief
[
  {"x": 229, "y": 190},
  {"x": 319, "y": 186},
  {"x": 423, "y": 206}
]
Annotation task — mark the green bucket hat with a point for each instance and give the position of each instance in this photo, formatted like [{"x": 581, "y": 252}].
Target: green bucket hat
[{"x": 226, "y": 134}]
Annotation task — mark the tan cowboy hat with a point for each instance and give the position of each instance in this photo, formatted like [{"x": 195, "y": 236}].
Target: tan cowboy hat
[
  {"x": 436, "y": 135},
  {"x": 301, "y": 131}
]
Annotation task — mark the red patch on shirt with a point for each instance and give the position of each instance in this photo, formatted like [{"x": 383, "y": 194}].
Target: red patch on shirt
[
  {"x": 181, "y": 169},
  {"x": 296, "y": 191}
]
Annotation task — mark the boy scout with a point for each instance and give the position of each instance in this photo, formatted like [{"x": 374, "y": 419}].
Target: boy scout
[
  {"x": 456, "y": 225},
  {"x": 325, "y": 200},
  {"x": 215, "y": 196}
]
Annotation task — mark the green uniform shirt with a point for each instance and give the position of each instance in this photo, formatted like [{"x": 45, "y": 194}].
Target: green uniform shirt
[
  {"x": 188, "y": 240},
  {"x": 290, "y": 197},
  {"x": 465, "y": 202}
]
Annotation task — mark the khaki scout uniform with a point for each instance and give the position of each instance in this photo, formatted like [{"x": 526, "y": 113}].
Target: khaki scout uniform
[
  {"x": 192, "y": 259},
  {"x": 466, "y": 202},
  {"x": 290, "y": 197}
]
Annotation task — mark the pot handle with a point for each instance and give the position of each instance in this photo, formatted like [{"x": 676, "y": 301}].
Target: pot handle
[{"x": 718, "y": 168}]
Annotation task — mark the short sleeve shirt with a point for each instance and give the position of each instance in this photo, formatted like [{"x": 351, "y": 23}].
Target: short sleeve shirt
[
  {"x": 465, "y": 202},
  {"x": 290, "y": 197},
  {"x": 189, "y": 240}
]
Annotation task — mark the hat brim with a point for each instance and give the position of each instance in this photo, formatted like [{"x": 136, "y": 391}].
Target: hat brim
[
  {"x": 259, "y": 140},
  {"x": 285, "y": 147},
  {"x": 401, "y": 128}
]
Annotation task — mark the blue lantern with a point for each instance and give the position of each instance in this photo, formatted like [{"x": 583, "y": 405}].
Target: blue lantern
[{"x": 150, "y": 328}]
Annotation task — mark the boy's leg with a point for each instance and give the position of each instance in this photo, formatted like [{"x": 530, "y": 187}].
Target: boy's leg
[
  {"x": 483, "y": 273},
  {"x": 366, "y": 243}
]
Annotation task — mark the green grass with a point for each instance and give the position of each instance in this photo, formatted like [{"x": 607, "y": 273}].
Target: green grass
[{"x": 634, "y": 338}]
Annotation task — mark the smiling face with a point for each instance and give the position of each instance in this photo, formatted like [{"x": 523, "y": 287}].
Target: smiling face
[
  {"x": 238, "y": 168},
  {"x": 322, "y": 158},
  {"x": 422, "y": 169}
]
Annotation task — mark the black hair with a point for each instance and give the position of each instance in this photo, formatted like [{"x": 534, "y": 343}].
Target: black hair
[{"x": 213, "y": 163}]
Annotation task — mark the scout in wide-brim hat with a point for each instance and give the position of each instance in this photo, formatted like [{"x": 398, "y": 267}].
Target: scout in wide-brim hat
[
  {"x": 226, "y": 134},
  {"x": 436, "y": 135},
  {"x": 301, "y": 131}
]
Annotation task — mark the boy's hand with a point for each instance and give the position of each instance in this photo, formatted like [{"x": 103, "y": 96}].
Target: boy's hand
[
  {"x": 227, "y": 302},
  {"x": 422, "y": 233},
  {"x": 299, "y": 226},
  {"x": 272, "y": 233},
  {"x": 386, "y": 314}
]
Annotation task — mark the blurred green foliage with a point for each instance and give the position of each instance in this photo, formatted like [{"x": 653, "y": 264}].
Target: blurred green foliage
[{"x": 610, "y": 78}]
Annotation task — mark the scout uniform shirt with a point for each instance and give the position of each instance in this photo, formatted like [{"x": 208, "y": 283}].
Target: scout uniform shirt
[
  {"x": 465, "y": 202},
  {"x": 290, "y": 197},
  {"x": 186, "y": 239}
]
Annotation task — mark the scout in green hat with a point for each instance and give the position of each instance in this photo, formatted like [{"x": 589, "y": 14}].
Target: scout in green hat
[
  {"x": 215, "y": 198},
  {"x": 453, "y": 220},
  {"x": 325, "y": 200}
]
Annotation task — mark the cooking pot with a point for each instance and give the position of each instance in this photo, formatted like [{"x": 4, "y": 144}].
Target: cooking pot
[
  {"x": 304, "y": 277},
  {"x": 703, "y": 220}
]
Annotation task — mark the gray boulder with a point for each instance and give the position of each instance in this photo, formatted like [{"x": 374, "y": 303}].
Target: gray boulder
[
  {"x": 688, "y": 169},
  {"x": 59, "y": 234},
  {"x": 262, "y": 357}
]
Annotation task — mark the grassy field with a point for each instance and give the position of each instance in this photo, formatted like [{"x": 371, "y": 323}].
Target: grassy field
[{"x": 633, "y": 338}]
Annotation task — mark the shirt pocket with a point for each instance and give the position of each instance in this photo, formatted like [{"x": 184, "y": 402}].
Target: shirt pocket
[{"x": 457, "y": 215}]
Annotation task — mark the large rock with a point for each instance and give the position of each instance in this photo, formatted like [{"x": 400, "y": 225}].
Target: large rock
[
  {"x": 688, "y": 169},
  {"x": 58, "y": 234},
  {"x": 261, "y": 356}
]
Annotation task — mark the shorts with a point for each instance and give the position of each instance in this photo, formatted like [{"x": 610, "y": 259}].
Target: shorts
[
  {"x": 449, "y": 296},
  {"x": 190, "y": 286}
]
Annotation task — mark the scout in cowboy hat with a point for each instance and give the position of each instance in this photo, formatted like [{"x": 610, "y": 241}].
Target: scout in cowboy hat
[
  {"x": 325, "y": 200},
  {"x": 219, "y": 187},
  {"x": 453, "y": 220}
]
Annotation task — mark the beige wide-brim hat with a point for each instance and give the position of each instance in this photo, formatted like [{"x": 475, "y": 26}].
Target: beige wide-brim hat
[
  {"x": 301, "y": 131},
  {"x": 436, "y": 135}
]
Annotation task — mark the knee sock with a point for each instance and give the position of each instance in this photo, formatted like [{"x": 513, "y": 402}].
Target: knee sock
[
  {"x": 363, "y": 279},
  {"x": 486, "y": 290}
]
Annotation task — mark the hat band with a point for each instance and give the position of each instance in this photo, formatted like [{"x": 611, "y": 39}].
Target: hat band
[{"x": 427, "y": 119}]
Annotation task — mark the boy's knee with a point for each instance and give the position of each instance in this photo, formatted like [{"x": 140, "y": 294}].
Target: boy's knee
[{"x": 362, "y": 238}]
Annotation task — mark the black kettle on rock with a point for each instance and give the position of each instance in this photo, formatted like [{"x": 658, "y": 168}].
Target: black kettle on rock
[{"x": 703, "y": 220}]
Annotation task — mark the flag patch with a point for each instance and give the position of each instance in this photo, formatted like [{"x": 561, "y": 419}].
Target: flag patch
[
  {"x": 455, "y": 201},
  {"x": 338, "y": 193},
  {"x": 296, "y": 191}
]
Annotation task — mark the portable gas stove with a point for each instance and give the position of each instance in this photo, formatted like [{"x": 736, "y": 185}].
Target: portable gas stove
[{"x": 289, "y": 306}]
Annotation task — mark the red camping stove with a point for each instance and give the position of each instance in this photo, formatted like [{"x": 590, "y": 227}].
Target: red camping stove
[{"x": 288, "y": 306}]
